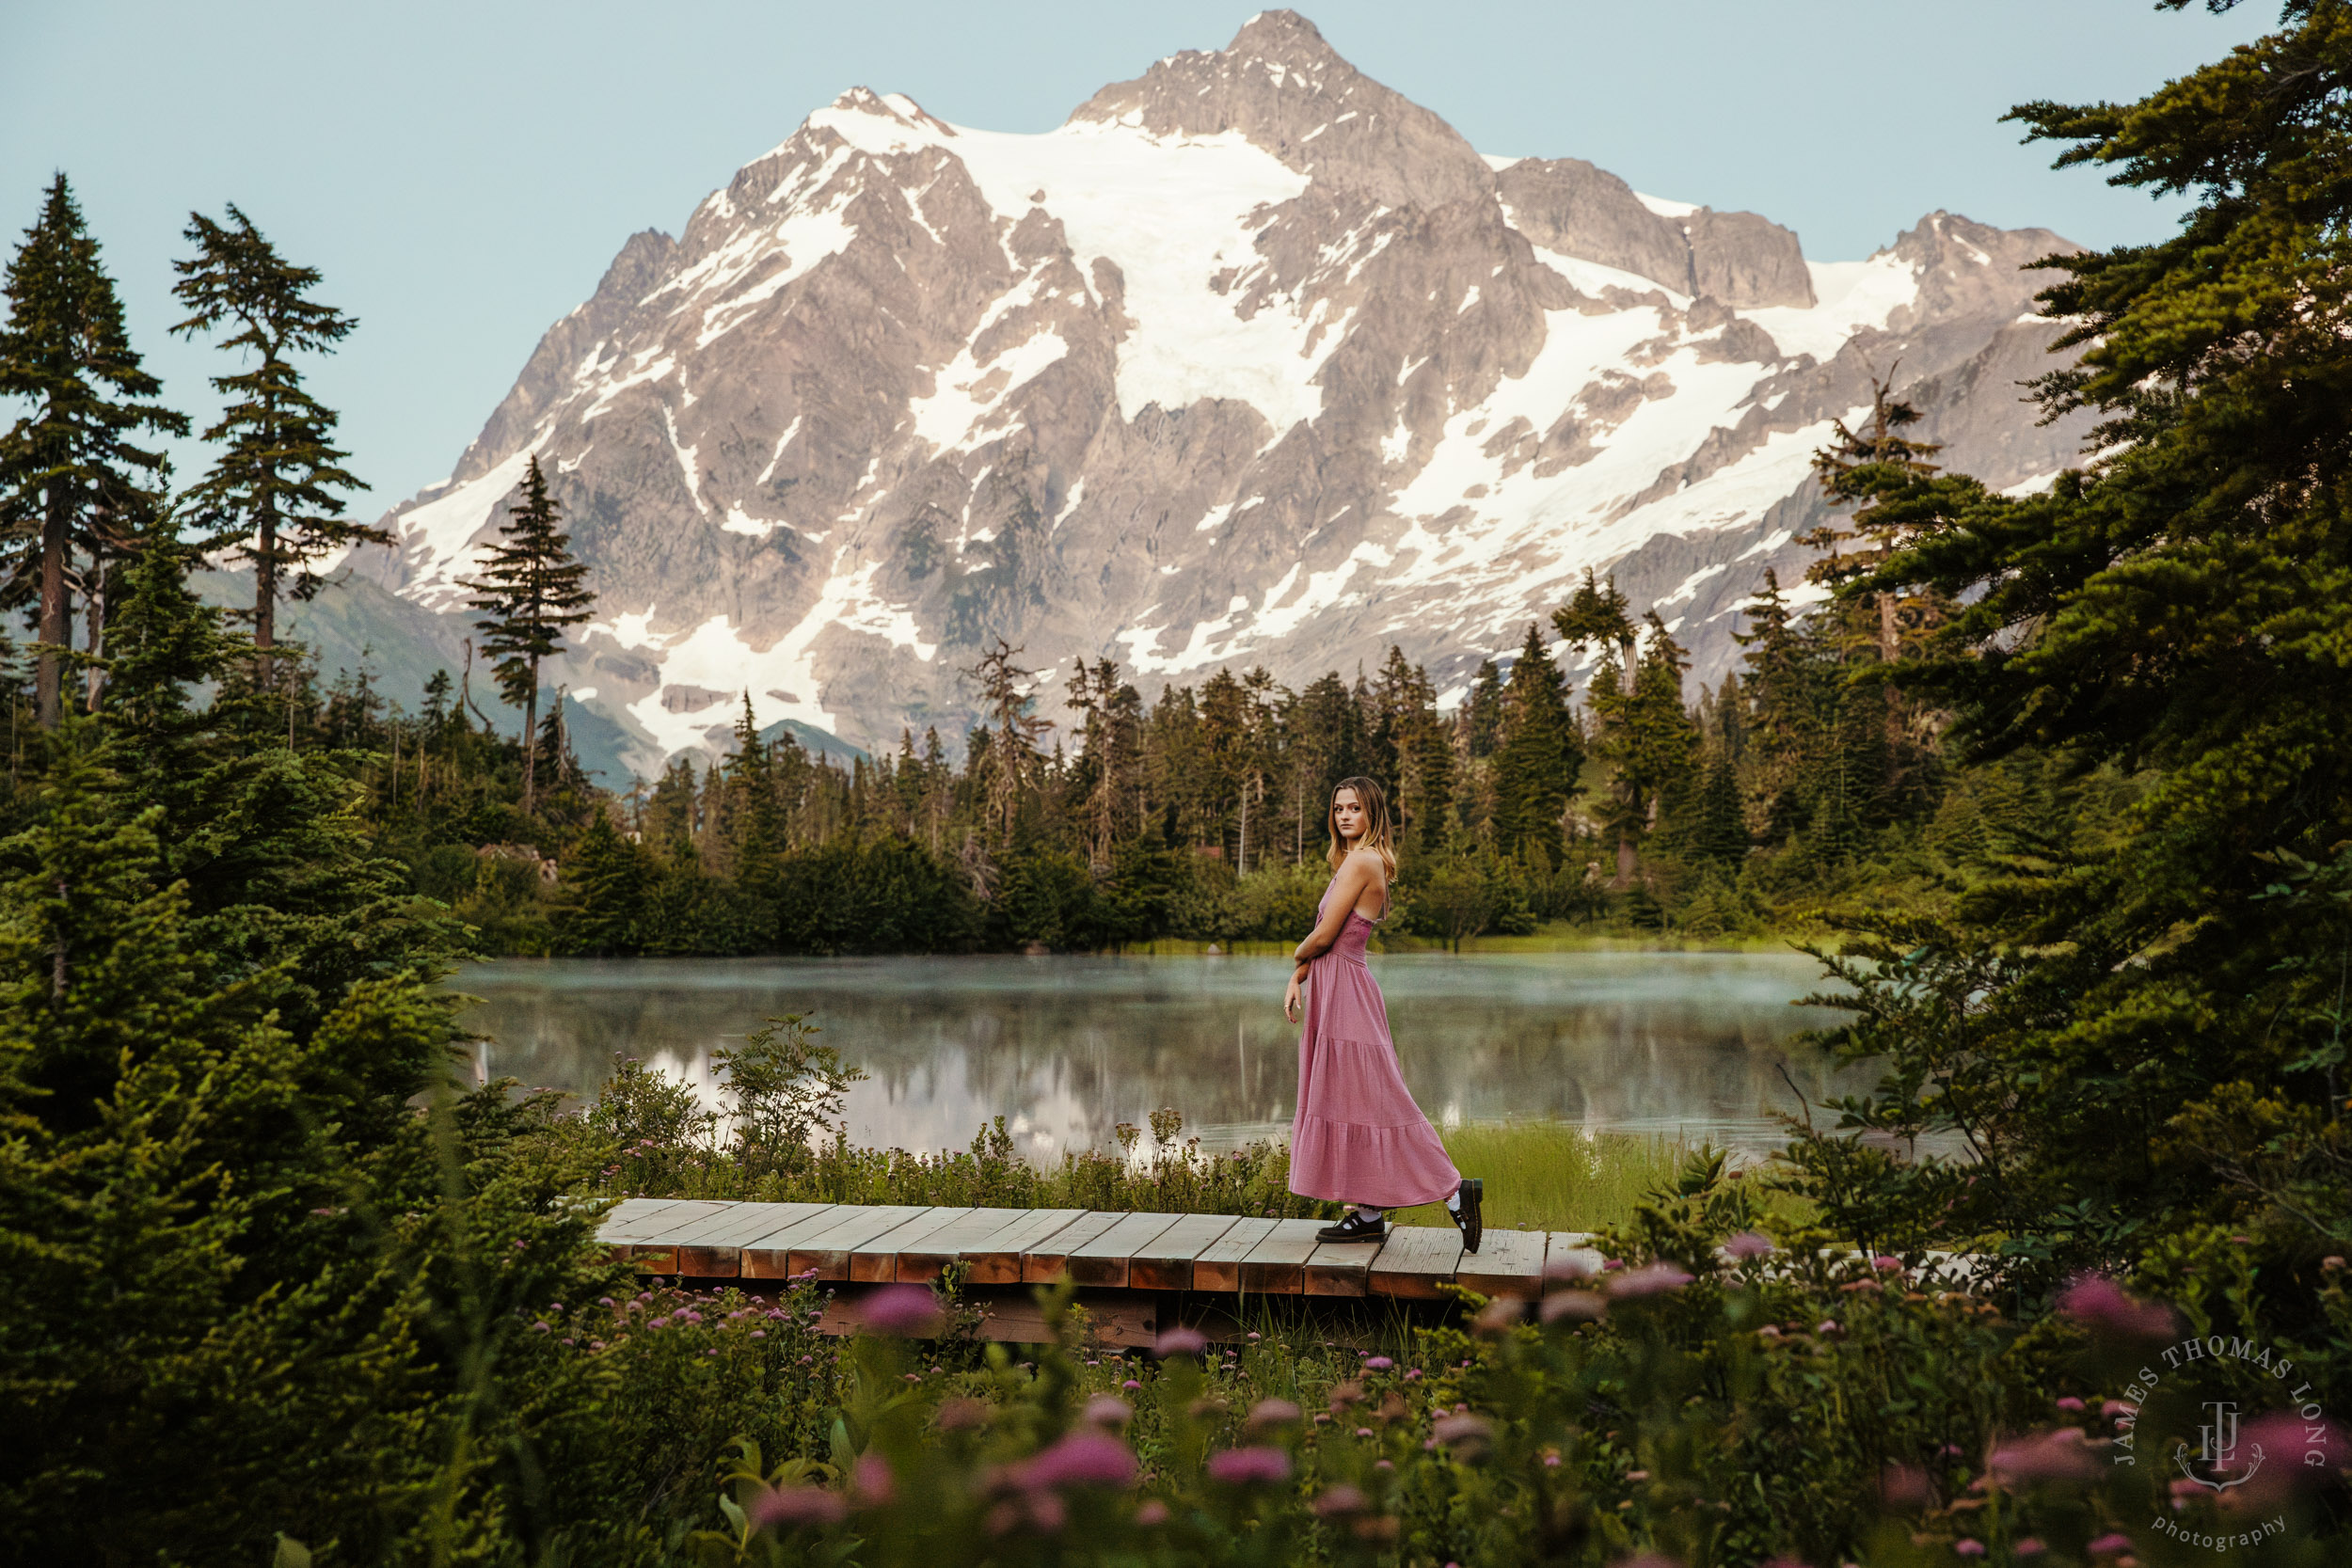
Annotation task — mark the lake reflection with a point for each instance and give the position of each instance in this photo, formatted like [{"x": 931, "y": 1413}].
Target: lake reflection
[{"x": 1065, "y": 1048}]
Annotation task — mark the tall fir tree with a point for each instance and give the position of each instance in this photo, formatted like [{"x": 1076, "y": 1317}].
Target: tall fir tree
[
  {"x": 71, "y": 481},
  {"x": 1598, "y": 617},
  {"x": 530, "y": 588},
  {"x": 276, "y": 493},
  {"x": 1539, "y": 757},
  {"x": 1011, "y": 761},
  {"x": 1855, "y": 468}
]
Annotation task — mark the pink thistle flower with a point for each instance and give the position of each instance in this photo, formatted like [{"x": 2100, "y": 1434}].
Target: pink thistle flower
[
  {"x": 1888, "y": 1265},
  {"x": 1109, "y": 1410},
  {"x": 793, "y": 1506},
  {"x": 1153, "y": 1512},
  {"x": 2102, "y": 1304},
  {"x": 901, "y": 1312},
  {"x": 1498, "y": 1316},
  {"x": 1967, "y": 1547},
  {"x": 1574, "y": 1306},
  {"x": 1650, "y": 1279},
  {"x": 870, "y": 1484},
  {"x": 1259, "y": 1467},
  {"x": 961, "y": 1415},
  {"x": 2109, "y": 1546},
  {"x": 1462, "y": 1429},
  {"x": 1082, "y": 1458},
  {"x": 2307, "y": 1453},
  {"x": 1379, "y": 1364},
  {"x": 1179, "y": 1342},
  {"x": 1338, "y": 1501},
  {"x": 1746, "y": 1245},
  {"x": 1269, "y": 1412},
  {"x": 2050, "y": 1456}
]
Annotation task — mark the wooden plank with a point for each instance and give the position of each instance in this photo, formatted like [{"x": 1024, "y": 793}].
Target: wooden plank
[
  {"x": 995, "y": 1259},
  {"x": 1165, "y": 1262},
  {"x": 1565, "y": 1250},
  {"x": 1103, "y": 1260},
  {"x": 1217, "y": 1267},
  {"x": 1277, "y": 1265},
  {"x": 1114, "y": 1318},
  {"x": 650, "y": 1245},
  {"x": 1507, "y": 1263},
  {"x": 1414, "y": 1261},
  {"x": 660, "y": 1222},
  {"x": 1341, "y": 1268},
  {"x": 1049, "y": 1260},
  {"x": 629, "y": 1211},
  {"x": 828, "y": 1251},
  {"x": 716, "y": 1250},
  {"x": 922, "y": 1261},
  {"x": 692, "y": 1232},
  {"x": 876, "y": 1261},
  {"x": 770, "y": 1256}
]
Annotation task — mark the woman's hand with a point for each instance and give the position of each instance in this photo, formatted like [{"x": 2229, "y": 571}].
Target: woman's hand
[{"x": 1289, "y": 1000}]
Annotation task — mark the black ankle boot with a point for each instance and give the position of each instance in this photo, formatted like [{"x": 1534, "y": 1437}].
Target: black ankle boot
[
  {"x": 1354, "y": 1229},
  {"x": 1470, "y": 1216}
]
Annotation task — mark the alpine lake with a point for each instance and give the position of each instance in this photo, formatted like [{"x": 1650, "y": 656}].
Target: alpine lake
[{"x": 1684, "y": 1045}]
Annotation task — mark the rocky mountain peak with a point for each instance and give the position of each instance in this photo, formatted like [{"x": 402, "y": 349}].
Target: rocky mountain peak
[
  {"x": 1253, "y": 362},
  {"x": 1283, "y": 87}
]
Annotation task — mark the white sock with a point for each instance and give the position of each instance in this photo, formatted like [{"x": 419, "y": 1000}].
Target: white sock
[
  {"x": 1370, "y": 1216},
  {"x": 1453, "y": 1204}
]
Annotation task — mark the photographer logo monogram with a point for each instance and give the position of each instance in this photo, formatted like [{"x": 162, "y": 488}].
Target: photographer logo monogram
[{"x": 2218, "y": 1436}]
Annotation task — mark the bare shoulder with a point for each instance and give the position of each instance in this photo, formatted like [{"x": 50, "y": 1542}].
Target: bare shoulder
[{"x": 1366, "y": 865}]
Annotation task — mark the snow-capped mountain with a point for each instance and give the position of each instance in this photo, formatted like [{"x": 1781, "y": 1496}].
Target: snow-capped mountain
[{"x": 1251, "y": 361}]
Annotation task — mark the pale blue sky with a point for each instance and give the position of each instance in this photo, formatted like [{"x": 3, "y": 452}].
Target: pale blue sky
[{"x": 463, "y": 171}]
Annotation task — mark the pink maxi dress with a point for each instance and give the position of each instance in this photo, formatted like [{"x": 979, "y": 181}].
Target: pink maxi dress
[{"x": 1359, "y": 1137}]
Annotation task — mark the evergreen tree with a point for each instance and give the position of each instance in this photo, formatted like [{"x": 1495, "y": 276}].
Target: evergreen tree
[
  {"x": 754, "y": 818},
  {"x": 613, "y": 876},
  {"x": 1011, "y": 762},
  {"x": 72, "y": 484},
  {"x": 1541, "y": 753},
  {"x": 1721, "y": 834},
  {"x": 1483, "y": 711},
  {"x": 1326, "y": 746},
  {"x": 1662, "y": 743},
  {"x": 273, "y": 490},
  {"x": 1598, "y": 616},
  {"x": 1853, "y": 470},
  {"x": 530, "y": 588},
  {"x": 2154, "y": 995}
]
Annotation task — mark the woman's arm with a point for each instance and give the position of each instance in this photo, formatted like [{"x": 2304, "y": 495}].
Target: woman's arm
[{"x": 1347, "y": 888}]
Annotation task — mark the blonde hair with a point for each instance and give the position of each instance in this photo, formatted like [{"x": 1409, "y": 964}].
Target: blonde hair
[{"x": 1376, "y": 835}]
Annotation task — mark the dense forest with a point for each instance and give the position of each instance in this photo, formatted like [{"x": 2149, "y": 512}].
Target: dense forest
[
  {"x": 1631, "y": 805},
  {"x": 2064, "y": 778},
  {"x": 1634, "y": 804}
]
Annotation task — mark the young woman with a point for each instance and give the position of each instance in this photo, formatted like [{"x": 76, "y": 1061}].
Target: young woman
[{"x": 1359, "y": 1137}]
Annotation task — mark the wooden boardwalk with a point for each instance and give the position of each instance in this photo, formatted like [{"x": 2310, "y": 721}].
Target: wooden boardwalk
[{"x": 1219, "y": 1254}]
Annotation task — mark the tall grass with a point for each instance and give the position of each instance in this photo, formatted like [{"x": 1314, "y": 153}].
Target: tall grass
[{"x": 1554, "y": 1176}]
